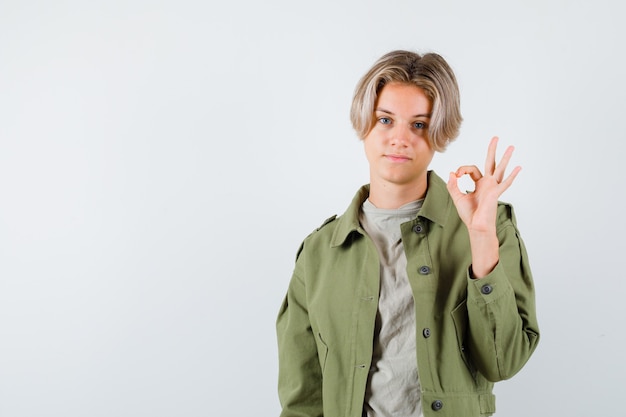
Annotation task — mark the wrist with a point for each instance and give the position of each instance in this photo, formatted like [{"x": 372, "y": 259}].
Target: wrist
[{"x": 485, "y": 250}]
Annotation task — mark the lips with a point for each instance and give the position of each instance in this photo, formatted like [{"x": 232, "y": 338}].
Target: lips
[{"x": 397, "y": 158}]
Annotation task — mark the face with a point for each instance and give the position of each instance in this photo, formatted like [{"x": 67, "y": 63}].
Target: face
[{"x": 397, "y": 147}]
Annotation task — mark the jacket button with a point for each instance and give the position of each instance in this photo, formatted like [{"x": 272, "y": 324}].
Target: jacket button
[
  {"x": 486, "y": 289},
  {"x": 426, "y": 332},
  {"x": 437, "y": 405},
  {"x": 418, "y": 228},
  {"x": 424, "y": 270}
]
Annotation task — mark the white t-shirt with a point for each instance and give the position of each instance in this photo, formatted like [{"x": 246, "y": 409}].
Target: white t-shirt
[{"x": 393, "y": 387}]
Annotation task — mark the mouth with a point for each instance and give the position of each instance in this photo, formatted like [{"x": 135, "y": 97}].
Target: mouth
[{"x": 397, "y": 158}]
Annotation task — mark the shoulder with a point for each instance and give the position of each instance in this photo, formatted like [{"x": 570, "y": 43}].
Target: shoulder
[
  {"x": 506, "y": 214},
  {"x": 506, "y": 221},
  {"x": 324, "y": 232},
  {"x": 321, "y": 235},
  {"x": 334, "y": 231},
  {"x": 327, "y": 222}
]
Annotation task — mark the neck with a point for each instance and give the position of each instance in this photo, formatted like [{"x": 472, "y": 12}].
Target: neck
[{"x": 387, "y": 195}]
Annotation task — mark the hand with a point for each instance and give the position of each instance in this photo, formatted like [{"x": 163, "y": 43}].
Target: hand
[{"x": 478, "y": 209}]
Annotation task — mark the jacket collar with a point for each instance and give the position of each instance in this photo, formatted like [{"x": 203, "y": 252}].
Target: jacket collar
[{"x": 436, "y": 208}]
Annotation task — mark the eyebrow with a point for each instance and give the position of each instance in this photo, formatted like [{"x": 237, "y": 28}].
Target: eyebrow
[{"x": 391, "y": 113}]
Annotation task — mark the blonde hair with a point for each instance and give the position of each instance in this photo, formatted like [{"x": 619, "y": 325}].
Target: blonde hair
[{"x": 429, "y": 72}]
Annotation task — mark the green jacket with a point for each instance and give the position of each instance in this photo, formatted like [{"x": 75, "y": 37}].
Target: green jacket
[{"x": 470, "y": 333}]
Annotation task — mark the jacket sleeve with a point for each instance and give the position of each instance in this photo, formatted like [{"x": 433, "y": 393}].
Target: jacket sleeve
[
  {"x": 299, "y": 374},
  {"x": 501, "y": 308}
]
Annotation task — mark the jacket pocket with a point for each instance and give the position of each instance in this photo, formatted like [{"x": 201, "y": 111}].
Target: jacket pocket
[
  {"x": 322, "y": 351},
  {"x": 461, "y": 326}
]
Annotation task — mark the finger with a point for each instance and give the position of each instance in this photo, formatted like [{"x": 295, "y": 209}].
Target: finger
[
  {"x": 501, "y": 167},
  {"x": 471, "y": 170},
  {"x": 504, "y": 185},
  {"x": 490, "y": 163}
]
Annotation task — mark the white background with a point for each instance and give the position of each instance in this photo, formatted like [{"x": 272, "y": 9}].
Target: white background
[{"x": 160, "y": 162}]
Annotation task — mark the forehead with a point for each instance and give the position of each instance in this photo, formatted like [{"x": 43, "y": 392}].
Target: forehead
[{"x": 403, "y": 98}]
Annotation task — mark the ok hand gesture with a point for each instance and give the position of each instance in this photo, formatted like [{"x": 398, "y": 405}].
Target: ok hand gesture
[{"x": 478, "y": 209}]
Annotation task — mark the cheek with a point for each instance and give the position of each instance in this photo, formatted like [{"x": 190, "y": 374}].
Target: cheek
[
  {"x": 368, "y": 151},
  {"x": 428, "y": 156},
  {"x": 369, "y": 145},
  {"x": 424, "y": 145}
]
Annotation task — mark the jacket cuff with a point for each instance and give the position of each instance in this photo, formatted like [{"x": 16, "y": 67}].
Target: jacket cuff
[{"x": 489, "y": 288}]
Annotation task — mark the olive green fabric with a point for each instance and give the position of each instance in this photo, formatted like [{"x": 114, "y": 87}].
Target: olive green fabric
[{"x": 470, "y": 333}]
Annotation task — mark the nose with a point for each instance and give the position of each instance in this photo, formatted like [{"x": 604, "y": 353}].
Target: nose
[{"x": 400, "y": 135}]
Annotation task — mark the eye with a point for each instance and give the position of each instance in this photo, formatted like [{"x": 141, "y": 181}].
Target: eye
[
  {"x": 384, "y": 120},
  {"x": 419, "y": 125}
]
